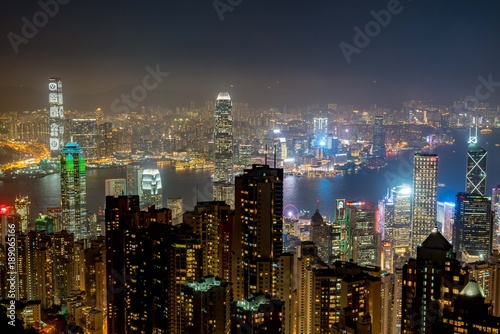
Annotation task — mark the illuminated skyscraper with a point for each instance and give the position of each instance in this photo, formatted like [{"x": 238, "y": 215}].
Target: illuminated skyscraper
[
  {"x": 397, "y": 229},
  {"x": 495, "y": 206},
  {"x": 223, "y": 184},
  {"x": 476, "y": 166},
  {"x": 151, "y": 188},
  {"x": 425, "y": 172},
  {"x": 320, "y": 126},
  {"x": 22, "y": 205},
  {"x": 379, "y": 138},
  {"x": 74, "y": 190},
  {"x": 473, "y": 227},
  {"x": 56, "y": 117},
  {"x": 134, "y": 179}
]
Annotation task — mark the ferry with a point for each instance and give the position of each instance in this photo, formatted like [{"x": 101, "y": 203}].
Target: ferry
[{"x": 486, "y": 131}]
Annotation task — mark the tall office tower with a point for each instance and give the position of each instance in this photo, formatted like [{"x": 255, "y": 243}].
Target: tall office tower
[
  {"x": 74, "y": 190},
  {"x": 134, "y": 180},
  {"x": 56, "y": 117},
  {"x": 387, "y": 257},
  {"x": 379, "y": 138},
  {"x": 105, "y": 140},
  {"x": 115, "y": 187},
  {"x": 365, "y": 239},
  {"x": 223, "y": 183},
  {"x": 84, "y": 132},
  {"x": 320, "y": 235},
  {"x": 423, "y": 209},
  {"x": 340, "y": 234},
  {"x": 430, "y": 282},
  {"x": 445, "y": 218},
  {"x": 151, "y": 188},
  {"x": 175, "y": 204},
  {"x": 469, "y": 313},
  {"x": 94, "y": 281},
  {"x": 22, "y": 205},
  {"x": 472, "y": 228},
  {"x": 209, "y": 301},
  {"x": 397, "y": 231},
  {"x": 320, "y": 127},
  {"x": 495, "y": 207},
  {"x": 259, "y": 228},
  {"x": 475, "y": 178}
]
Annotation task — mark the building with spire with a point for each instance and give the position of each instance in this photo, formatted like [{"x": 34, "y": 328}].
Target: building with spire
[
  {"x": 476, "y": 166},
  {"x": 74, "y": 190},
  {"x": 223, "y": 182}
]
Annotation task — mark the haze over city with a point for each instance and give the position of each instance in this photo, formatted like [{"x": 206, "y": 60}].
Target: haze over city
[{"x": 279, "y": 53}]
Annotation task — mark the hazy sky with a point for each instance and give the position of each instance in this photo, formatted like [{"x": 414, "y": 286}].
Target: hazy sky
[{"x": 269, "y": 51}]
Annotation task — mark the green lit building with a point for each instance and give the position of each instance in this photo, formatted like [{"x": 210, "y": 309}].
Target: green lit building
[{"x": 74, "y": 190}]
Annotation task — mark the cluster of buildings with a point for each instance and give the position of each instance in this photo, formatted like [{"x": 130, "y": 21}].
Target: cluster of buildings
[{"x": 236, "y": 265}]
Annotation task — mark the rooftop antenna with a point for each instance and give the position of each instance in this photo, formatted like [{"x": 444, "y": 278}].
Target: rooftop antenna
[
  {"x": 473, "y": 137},
  {"x": 197, "y": 193}
]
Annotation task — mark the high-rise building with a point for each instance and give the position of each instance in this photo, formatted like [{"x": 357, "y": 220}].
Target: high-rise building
[
  {"x": 259, "y": 229},
  {"x": 473, "y": 227},
  {"x": 423, "y": 209},
  {"x": 56, "y": 117},
  {"x": 208, "y": 301},
  {"x": 430, "y": 282},
  {"x": 320, "y": 127},
  {"x": 134, "y": 179},
  {"x": 84, "y": 132},
  {"x": 115, "y": 187},
  {"x": 398, "y": 222},
  {"x": 223, "y": 183},
  {"x": 379, "y": 138},
  {"x": 340, "y": 234},
  {"x": 365, "y": 239},
  {"x": 445, "y": 219},
  {"x": 22, "y": 205},
  {"x": 495, "y": 207},
  {"x": 151, "y": 188},
  {"x": 74, "y": 190},
  {"x": 320, "y": 235},
  {"x": 105, "y": 137},
  {"x": 475, "y": 177}
]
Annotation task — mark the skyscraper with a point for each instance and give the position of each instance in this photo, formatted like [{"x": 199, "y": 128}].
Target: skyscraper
[
  {"x": 259, "y": 216},
  {"x": 473, "y": 227},
  {"x": 425, "y": 172},
  {"x": 74, "y": 190},
  {"x": 476, "y": 166},
  {"x": 151, "y": 188},
  {"x": 56, "y": 117},
  {"x": 379, "y": 138},
  {"x": 397, "y": 228},
  {"x": 223, "y": 183},
  {"x": 22, "y": 205}
]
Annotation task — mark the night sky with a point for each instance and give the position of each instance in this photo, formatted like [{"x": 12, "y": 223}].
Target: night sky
[{"x": 266, "y": 53}]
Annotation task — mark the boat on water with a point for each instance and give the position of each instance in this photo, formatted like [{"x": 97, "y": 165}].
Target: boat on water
[{"x": 486, "y": 131}]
